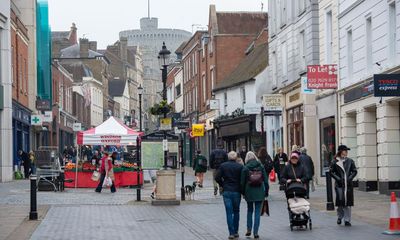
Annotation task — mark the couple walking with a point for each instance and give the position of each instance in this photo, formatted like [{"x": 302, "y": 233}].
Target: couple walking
[{"x": 251, "y": 180}]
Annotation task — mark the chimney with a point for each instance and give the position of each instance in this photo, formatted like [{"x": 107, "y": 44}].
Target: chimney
[
  {"x": 73, "y": 39},
  {"x": 83, "y": 47},
  {"x": 93, "y": 46},
  {"x": 123, "y": 44}
]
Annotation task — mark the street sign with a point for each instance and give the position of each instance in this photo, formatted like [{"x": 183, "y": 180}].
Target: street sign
[
  {"x": 252, "y": 108},
  {"x": 214, "y": 104},
  {"x": 48, "y": 116},
  {"x": 182, "y": 124},
  {"x": 272, "y": 102},
  {"x": 36, "y": 120},
  {"x": 322, "y": 76},
  {"x": 43, "y": 104},
  {"x": 197, "y": 130},
  {"x": 304, "y": 88},
  {"x": 387, "y": 85},
  {"x": 165, "y": 145},
  {"x": 77, "y": 127},
  {"x": 166, "y": 124}
]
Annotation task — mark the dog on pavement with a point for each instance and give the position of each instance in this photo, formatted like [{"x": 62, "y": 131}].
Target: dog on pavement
[{"x": 190, "y": 190}]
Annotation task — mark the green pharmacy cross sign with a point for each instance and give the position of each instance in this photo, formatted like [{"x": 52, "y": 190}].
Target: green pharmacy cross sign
[{"x": 36, "y": 120}]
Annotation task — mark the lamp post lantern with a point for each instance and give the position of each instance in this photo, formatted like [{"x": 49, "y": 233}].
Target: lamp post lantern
[{"x": 163, "y": 58}]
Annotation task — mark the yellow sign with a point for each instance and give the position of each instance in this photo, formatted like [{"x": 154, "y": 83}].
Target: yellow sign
[
  {"x": 198, "y": 130},
  {"x": 165, "y": 123}
]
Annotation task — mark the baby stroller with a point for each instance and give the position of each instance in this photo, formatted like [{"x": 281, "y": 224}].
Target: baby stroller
[{"x": 298, "y": 207}]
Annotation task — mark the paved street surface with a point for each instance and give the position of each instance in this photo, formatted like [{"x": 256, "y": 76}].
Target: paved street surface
[{"x": 83, "y": 214}]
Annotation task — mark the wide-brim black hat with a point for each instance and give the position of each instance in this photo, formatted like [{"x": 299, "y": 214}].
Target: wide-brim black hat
[{"x": 343, "y": 148}]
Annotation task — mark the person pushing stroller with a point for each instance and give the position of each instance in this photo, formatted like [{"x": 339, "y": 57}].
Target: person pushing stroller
[{"x": 294, "y": 176}]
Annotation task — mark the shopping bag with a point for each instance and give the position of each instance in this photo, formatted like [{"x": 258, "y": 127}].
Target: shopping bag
[
  {"x": 107, "y": 182},
  {"x": 272, "y": 176},
  {"x": 265, "y": 208},
  {"x": 96, "y": 176}
]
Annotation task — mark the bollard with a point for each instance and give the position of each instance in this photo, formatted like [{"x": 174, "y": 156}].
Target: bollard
[
  {"x": 33, "y": 213},
  {"x": 138, "y": 196},
  {"x": 139, "y": 164},
  {"x": 329, "y": 195},
  {"x": 182, "y": 170}
]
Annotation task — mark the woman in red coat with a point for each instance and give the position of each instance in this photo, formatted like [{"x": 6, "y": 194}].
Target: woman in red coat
[{"x": 106, "y": 170}]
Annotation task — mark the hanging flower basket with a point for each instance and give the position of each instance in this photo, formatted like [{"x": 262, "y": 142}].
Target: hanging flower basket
[{"x": 160, "y": 108}]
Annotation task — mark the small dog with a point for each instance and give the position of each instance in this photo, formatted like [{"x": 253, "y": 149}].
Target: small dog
[{"x": 189, "y": 190}]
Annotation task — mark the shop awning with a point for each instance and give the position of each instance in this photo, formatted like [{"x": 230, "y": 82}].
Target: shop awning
[{"x": 110, "y": 132}]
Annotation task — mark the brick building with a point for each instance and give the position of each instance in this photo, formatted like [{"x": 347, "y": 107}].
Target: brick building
[
  {"x": 20, "y": 84},
  {"x": 209, "y": 57}
]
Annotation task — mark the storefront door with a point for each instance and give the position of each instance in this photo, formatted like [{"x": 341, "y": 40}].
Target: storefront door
[{"x": 328, "y": 140}]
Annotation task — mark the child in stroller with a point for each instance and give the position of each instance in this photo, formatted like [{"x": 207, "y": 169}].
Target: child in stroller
[
  {"x": 298, "y": 206},
  {"x": 294, "y": 177}
]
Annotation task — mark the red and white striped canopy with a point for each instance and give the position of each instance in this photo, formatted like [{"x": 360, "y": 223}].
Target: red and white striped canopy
[{"x": 110, "y": 132}]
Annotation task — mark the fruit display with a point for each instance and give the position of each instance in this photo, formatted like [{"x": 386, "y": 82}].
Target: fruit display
[
  {"x": 69, "y": 166},
  {"x": 88, "y": 166}
]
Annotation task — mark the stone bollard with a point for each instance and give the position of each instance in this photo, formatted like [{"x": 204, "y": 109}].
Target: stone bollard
[{"x": 166, "y": 188}]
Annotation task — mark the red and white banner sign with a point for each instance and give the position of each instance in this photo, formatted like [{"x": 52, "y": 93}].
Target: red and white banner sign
[{"x": 322, "y": 76}]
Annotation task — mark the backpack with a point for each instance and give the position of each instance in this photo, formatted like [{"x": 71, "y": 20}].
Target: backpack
[
  {"x": 203, "y": 162},
  {"x": 256, "y": 178},
  {"x": 269, "y": 165}
]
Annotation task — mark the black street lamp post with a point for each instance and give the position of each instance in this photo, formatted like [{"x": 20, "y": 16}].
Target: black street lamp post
[
  {"x": 163, "y": 57},
  {"x": 138, "y": 152}
]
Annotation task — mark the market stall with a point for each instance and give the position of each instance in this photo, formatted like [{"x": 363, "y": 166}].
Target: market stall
[{"x": 110, "y": 132}]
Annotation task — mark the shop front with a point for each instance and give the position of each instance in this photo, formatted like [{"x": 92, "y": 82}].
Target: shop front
[
  {"x": 21, "y": 129},
  {"x": 239, "y": 131}
]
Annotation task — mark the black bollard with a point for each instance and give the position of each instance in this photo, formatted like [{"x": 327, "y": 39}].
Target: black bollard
[
  {"x": 33, "y": 215},
  {"x": 329, "y": 195}
]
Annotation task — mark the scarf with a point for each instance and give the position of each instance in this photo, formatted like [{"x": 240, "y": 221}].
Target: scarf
[{"x": 340, "y": 163}]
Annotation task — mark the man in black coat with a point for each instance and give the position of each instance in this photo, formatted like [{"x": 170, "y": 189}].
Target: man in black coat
[
  {"x": 26, "y": 162},
  {"x": 217, "y": 157},
  {"x": 343, "y": 170},
  {"x": 308, "y": 165}
]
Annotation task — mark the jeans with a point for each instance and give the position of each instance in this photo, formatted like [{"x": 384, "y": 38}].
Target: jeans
[
  {"x": 232, "y": 208},
  {"x": 344, "y": 213},
  {"x": 100, "y": 186},
  {"x": 256, "y": 208}
]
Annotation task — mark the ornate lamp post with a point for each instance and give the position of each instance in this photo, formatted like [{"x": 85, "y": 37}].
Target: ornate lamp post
[
  {"x": 138, "y": 152},
  {"x": 163, "y": 58}
]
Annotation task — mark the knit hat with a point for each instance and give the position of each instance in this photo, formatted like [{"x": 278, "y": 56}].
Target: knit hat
[{"x": 294, "y": 155}]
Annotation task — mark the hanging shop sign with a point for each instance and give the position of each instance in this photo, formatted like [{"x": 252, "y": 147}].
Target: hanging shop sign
[
  {"x": 182, "y": 124},
  {"x": 322, "y": 76},
  {"x": 47, "y": 116},
  {"x": 197, "y": 130},
  {"x": 166, "y": 124},
  {"x": 214, "y": 104},
  {"x": 304, "y": 87},
  {"x": 387, "y": 85},
  {"x": 76, "y": 127},
  {"x": 272, "y": 102},
  {"x": 43, "y": 104},
  {"x": 252, "y": 108},
  {"x": 36, "y": 120}
]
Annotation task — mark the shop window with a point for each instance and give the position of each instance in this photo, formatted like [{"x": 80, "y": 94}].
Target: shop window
[
  {"x": 295, "y": 127},
  {"x": 327, "y": 143}
]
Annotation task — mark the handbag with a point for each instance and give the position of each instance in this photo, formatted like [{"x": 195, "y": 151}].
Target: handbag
[
  {"x": 265, "y": 208},
  {"x": 96, "y": 176},
  {"x": 272, "y": 176}
]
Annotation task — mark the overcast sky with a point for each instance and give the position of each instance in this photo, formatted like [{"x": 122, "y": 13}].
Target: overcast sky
[{"x": 101, "y": 20}]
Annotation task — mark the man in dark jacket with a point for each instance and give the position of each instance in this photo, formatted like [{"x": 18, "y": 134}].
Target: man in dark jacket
[
  {"x": 26, "y": 162},
  {"x": 228, "y": 176},
  {"x": 308, "y": 165},
  {"x": 217, "y": 157}
]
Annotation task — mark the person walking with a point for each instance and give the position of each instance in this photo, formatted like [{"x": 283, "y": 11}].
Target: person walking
[
  {"x": 32, "y": 159},
  {"x": 280, "y": 160},
  {"x": 26, "y": 162},
  {"x": 106, "y": 170},
  {"x": 228, "y": 176},
  {"x": 293, "y": 171},
  {"x": 243, "y": 152},
  {"x": 200, "y": 167},
  {"x": 265, "y": 160},
  {"x": 308, "y": 164},
  {"x": 254, "y": 183},
  {"x": 217, "y": 157},
  {"x": 343, "y": 170}
]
